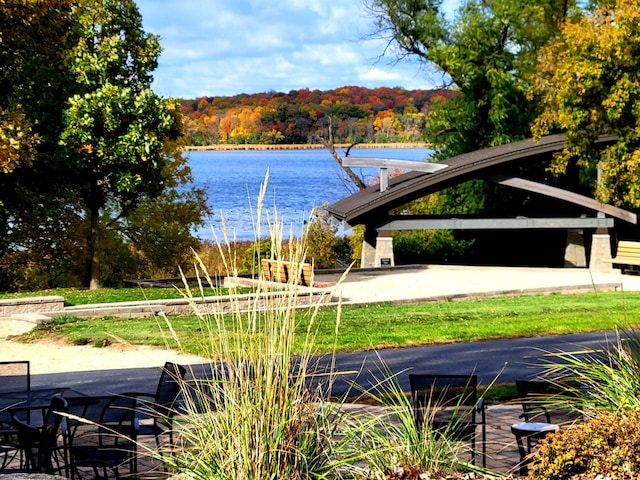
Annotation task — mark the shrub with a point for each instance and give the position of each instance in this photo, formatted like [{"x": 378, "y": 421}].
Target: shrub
[{"x": 608, "y": 445}]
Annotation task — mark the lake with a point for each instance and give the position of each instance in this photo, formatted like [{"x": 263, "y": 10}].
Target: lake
[{"x": 299, "y": 180}]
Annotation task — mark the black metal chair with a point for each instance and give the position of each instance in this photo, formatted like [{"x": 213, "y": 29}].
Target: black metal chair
[
  {"x": 155, "y": 412},
  {"x": 15, "y": 386},
  {"x": 101, "y": 437},
  {"x": 43, "y": 451},
  {"x": 15, "y": 376},
  {"x": 536, "y": 398},
  {"x": 451, "y": 405}
]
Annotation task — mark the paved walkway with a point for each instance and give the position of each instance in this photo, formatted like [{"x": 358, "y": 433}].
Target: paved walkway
[{"x": 436, "y": 282}]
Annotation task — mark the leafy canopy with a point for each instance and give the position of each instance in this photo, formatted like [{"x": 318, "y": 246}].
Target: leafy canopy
[
  {"x": 588, "y": 83},
  {"x": 483, "y": 52},
  {"x": 84, "y": 144}
]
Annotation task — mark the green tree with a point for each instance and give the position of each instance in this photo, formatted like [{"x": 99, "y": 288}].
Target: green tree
[
  {"x": 588, "y": 83},
  {"x": 160, "y": 230},
  {"x": 32, "y": 36},
  {"x": 115, "y": 126},
  {"x": 90, "y": 156},
  {"x": 483, "y": 53},
  {"x": 32, "y": 56}
]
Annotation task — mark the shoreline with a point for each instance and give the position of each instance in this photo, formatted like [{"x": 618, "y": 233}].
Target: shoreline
[{"x": 302, "y": 146}]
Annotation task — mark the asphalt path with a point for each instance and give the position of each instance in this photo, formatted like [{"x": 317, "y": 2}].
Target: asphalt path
[{"x": 501, "y": 360}]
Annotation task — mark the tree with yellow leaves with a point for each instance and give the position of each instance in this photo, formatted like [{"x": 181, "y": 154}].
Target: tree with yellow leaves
[{"x": 588, "y": 84}]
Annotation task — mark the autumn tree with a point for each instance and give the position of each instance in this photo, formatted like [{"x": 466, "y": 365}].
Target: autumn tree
[
  {"x": 88, "y": 148},
  {"x": 588, "y": 83}
]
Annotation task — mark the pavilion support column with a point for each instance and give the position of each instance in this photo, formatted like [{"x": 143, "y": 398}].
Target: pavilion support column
[
  {"x": 384, "y": 249},
  {"x": 377, "y": 249},
  {"x": 574, "y": 253},
  {"x": 368, "y": 256},
  {"x": 600, "y": 251}
]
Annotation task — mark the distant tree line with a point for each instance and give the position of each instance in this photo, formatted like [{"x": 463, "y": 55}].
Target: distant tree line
[{"x": 354, "y": 114}]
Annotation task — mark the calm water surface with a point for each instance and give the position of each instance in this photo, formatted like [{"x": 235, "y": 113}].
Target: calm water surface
[{"x": 299, "y": 180}]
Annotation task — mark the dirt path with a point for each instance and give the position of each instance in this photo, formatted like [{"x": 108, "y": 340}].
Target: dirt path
[{"x": 53, "y": 357}]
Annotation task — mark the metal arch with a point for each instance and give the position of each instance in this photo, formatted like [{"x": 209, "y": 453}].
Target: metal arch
[{"x": 371, "y": 203}]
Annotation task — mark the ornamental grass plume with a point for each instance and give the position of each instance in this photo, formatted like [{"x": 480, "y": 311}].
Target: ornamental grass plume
[{"x": 259, "y": 411}]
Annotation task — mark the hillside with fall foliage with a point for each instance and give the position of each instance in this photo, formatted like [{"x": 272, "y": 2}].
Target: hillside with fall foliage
[{"x": 353, "y": 114}]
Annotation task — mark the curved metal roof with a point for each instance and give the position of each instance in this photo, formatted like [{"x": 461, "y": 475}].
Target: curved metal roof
[{"x": 371, "y": 203}]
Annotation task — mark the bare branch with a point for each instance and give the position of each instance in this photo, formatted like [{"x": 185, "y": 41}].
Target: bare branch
[{"x": 357, "y": 181}]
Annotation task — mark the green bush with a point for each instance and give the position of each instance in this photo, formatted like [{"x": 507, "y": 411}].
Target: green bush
[
  {"x": 608, "y": 445},
  {"x": 428, "y": 246}
]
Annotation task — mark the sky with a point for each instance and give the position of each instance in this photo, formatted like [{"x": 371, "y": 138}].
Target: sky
[{"x": 228, "y": 47}]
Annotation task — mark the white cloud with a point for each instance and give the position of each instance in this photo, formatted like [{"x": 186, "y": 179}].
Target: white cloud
[{"x": 228, "y": 47}]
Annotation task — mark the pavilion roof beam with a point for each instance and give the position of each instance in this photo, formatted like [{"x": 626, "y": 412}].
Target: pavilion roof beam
[
  {"x": 565, "y": 195},
  {"x": 384, "y": 164},
  {"x": 407, "y": 222}
]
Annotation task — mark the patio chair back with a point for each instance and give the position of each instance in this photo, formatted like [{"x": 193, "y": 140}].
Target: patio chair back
[
  {"x": 15, "y": 386},
  {"x": 535, "y": 396},
  {"x": 161, "y": 407},
  {"x": 169, "y": 388},
  {"x": 101, "y": 441},
  {"x": 451, "y": 405},
  {"x": 40, "y": 444},
  {"x": 15, "y": 376}
]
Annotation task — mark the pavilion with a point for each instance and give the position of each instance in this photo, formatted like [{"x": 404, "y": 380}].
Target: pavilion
[{"x": 371, "y": 207}]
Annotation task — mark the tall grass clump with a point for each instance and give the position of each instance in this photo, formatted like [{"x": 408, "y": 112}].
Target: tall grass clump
[
  {"x": 603, "y": 386},
  {"x": 259, "y": 411},
  {"x": 394, "y": 447},
  {"x": 598, "y": 379}
]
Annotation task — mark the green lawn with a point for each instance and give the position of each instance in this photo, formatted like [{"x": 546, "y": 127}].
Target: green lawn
[
  {"x": 389, "y": 325},
  {"x": 83, "y": 296}
]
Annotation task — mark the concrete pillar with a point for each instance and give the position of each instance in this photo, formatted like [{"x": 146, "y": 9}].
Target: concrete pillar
[
  {"x": 384, "y": 250},
  {"x": 600, "y": 252},
  {"x": 368, "y": 255},
  {"x": 575, "y": 254}
]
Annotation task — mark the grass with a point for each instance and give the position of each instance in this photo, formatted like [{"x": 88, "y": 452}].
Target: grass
[
  {"x": 389, "y": 325},
  {"x": 83, "y": 296},
  {"x": 258, "y": 417}
]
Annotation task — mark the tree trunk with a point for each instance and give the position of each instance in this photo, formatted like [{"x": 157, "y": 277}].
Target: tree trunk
[{"x": 92, "y": 254}]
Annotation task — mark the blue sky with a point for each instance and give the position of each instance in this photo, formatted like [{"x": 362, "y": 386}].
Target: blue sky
[{"x": 227, "y": 47}]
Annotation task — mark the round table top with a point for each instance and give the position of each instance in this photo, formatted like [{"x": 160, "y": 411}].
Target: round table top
[{"x": 534, "y": 427}]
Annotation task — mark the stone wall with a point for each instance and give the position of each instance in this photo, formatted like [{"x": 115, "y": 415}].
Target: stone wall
[{"x": 46, "y": 304}]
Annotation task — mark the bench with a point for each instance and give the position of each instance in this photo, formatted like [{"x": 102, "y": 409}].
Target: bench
[
  {"x": 628, "y": 253},
  {"x": 281, "y": 271}
]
